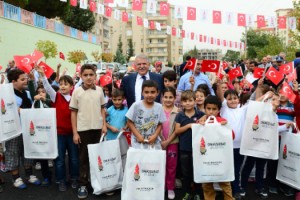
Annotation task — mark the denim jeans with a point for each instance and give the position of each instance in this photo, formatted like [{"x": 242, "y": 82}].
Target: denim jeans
[
  {"x": 259, "y": 172},
  {"x": 238, "y": 161},
  {"x": 65, "y": 143}
]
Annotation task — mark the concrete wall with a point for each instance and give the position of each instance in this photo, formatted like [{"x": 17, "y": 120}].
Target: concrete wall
[{"x": 20, "y": 39}]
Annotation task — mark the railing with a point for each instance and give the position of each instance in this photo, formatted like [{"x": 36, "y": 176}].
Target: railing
[{"x": 23, "y": 16}]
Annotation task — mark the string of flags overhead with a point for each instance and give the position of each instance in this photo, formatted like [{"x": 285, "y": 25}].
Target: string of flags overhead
[{"x": 191, "y": 14}]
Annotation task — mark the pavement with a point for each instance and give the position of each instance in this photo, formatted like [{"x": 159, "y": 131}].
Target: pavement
[{"x": 48, "y": 193}]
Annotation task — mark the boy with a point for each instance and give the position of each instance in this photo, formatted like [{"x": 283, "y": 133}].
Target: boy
[
  {"x": 60, "y": 101},
  {"x": 14, "y": 148},
  {"x": 212, "y": 106},
  {"x": 88, "y": 119},
  {"x": 145, "y": 117},
  {"x": 116, "y": 119},
  {"x": 184, "y": 121}
]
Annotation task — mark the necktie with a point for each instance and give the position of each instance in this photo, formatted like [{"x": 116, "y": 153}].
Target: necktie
[{"x": 144, "y": 78}]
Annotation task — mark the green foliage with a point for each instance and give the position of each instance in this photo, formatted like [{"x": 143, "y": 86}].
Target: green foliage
[
  {"x": 232, "y": 55},
  {"x": 81, "y": 19},
  {"x": 76, "y": 56},
  {"x": 170, "y": 64},
  {"x": 295, "y": 35},
  {"x": 47, "y": 47},
  {"x": 130, "y": 51},
  {"x": 107, "y": 57},
  {"x": 193, "y": 53},
  {"x": 119, "y": 57}
]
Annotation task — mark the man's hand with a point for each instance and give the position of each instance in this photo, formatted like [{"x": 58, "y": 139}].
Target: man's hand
[
  {"x": 76, "y": 138},
  {"x": 192, "y": 80}
]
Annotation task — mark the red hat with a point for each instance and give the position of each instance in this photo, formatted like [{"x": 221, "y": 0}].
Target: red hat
[{"x": 158, "y": 63}]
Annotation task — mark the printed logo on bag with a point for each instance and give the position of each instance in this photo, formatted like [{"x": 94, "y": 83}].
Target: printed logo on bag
[
  {"x": 31, "y": 129},
  {"x": 284, "y": 154},
  {"x": 3, "y": 110},
  {"x": 202, "y": 146},
  {"x": 136, "y": 175},
  {"x": 100, "y": 165},
  {"x": 255, "y": 123}
]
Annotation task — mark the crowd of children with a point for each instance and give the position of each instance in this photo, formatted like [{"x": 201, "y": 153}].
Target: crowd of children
[{"x": 82, "y": 117}]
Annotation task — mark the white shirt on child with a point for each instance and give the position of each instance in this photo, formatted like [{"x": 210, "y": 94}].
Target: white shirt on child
[
  {"x": 236, "y": 119},
  {"x": 145, "y": 121}
]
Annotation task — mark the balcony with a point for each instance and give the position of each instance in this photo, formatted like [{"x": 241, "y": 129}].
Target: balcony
[
  {"x": 158, "y": 53},
  {"x": 157, "y": 44},
  {"x": 157, "y": 18},
  {"x": 160, "y": 36}
]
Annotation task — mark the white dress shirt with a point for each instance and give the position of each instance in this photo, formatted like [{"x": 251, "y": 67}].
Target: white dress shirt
[{"x": 138, "y": 86}]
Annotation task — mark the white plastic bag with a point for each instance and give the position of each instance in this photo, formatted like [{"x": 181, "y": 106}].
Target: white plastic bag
[{"x": 212, "y": 152}]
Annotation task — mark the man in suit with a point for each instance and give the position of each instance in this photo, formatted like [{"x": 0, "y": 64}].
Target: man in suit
[{"x": 132, "y": 84}]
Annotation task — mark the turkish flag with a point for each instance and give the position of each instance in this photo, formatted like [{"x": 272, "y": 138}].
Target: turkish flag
[
  {"x": 211, "y": 40},
  {"x": 47, "y": 69},
  {"x": 230, "y": 43},
  {"x": 204, "y": 38},
  {"x": 274, "y": 75},
  {"x": 73, "y": 3},
  {"x": 217, "y": 17},
  {"x": 173, "y": 31},
  {"x": 191, "y": 13},
  {"x": 286, "y": 68},
  {"x": 287, "y": 91},
  {"x": 24, "y": 63},
  {"x": 200, "y": 38},
  {"x": 218, "y": 42},
  {"x": 192, "y": 35},
  {"x": 108, "y": 1},
  {"x": 282, "y": 22},
  {"x": 183, "y": 33},
  {"x": 137, "y": 5},
  {"x": 105, "y": 79},
  {"x": 164, "y": 9},
  {"x": 92, "y": 6},
  {"x": 78, "y": 67},
  {"x": 108, "y": 11},
  {"x": 127, "y": 135},
  {"x": 258, "y": 72},
  {"x": 292, "y": 76},
  {"x": 261, "y": 21},
  {"x": 36, "y": 55},
  {"x": 241, "y": 19},
  {"x": 152, "y": 24},
  {"x": 190, "y": 64},
  {"x": 234, "y": 73},
  {"x": 246, "y": 84},
  {"x": 224, "y": 65},
  {"x": 124, "y": 16},
  {"x": 210, "y": 66},
  {"x": 139, "y": 21},
  {"x": 0, "y": 67},
  {"x": 61, "y": 55},
  {"x": 224, "y": 43}
]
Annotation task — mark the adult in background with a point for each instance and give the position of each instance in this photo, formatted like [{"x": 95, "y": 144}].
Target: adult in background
[
  {"x": 197, "y": 79},
  {"x": 158, "y": 67},
  {"x": 264, "y": 63},
  {"x": 132, "y": 84},
  {"x": 182, "y": 71},
  {"x": 11, "y": 65}
]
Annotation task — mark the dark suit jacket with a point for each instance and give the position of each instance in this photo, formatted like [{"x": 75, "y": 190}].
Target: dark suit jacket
[{"x": 128, "y": 86}]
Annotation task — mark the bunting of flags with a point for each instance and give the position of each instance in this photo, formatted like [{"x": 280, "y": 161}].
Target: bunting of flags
[{"x": 192, "y": 14}]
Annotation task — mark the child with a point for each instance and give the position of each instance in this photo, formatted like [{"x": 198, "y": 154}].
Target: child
[
  {"x": 145, "y": 117},
  {"x": 60, "y": 100},
  {"x": 14, "y": 148},
  {"x": 169, "y": 138},
  {"x": 200, "y": 97},
  {"x": 235, "y": 115},
  {"x": 116, "y": 119},
  {"x": 184, "y": 121},
  {"x": 88, "y": 120},
  {"x": 170, "y": 80},
  {"x": 39, "y": 95},
  {"x": 212, "y": 106}
]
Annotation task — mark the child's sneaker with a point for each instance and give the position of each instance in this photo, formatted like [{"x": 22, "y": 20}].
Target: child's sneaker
[
  {"x": 262, "y": 193},
  {"x": 82, "y": 192},
  {"x": 18, "y": 183},
  {"x": 187, "y": 196},
  {"x": 34, "y": 180},
  {"x": 62, "y": 187},
  {"x": 178, "y": 183},
  {"x": 242, "y": 192},
  {"x": 38, "y": 166},
  {"x": 50, "y": 163},
  {"x": 74, "y": 184},
  {"x": 171, "y": 194},
  {"x": 45, "y": 182}
]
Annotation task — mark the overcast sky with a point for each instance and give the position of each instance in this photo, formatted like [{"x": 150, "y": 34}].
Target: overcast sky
[{"x": 228, "y": 32}]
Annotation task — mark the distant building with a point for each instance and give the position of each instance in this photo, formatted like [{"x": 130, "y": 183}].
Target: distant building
[{"x": 210, "y": 54}]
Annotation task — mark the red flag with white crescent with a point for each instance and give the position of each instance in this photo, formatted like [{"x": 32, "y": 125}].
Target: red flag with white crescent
[
  {"x": 210, "y": 66},
  {"x": 274, "y": 75},
  {"x": 287, "y": 91},
  {"x": 190, "y": 64},
  {"x": 235, "y": 72}
]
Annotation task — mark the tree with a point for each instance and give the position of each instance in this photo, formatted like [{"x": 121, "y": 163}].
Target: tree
[
  {"x": 295, "y": 35},
  {"x": 76, "y": 56},
  {"x": 82, "y": 19},
  {"x": 97, "y": 55},
  {"x": 47, "y": 47},
  {"x": 232, "y": 55},
  {"x": 255, "y": 40},
  {"x": 107, "y": 57},
  {"x": 193, "y": 53},
  {"x": 130, "y": 51},
  {"x": 119, "y": 57}
]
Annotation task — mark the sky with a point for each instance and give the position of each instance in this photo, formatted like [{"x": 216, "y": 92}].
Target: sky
[{"x": 228, "y": 32}]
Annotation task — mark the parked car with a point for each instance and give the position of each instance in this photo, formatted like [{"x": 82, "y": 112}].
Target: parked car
[
  {"x": 123, "y": 69},
  {"x": 113, "y": 66},
  {"x": 101, "y": 66}
]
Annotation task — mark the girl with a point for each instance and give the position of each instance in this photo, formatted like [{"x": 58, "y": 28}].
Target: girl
[
  {"x": 200, "y": 97},
  {"x": 169, "y": 139}
]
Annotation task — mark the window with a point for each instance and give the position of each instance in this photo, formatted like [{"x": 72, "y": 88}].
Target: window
[
  {"x": 160, "y": 41},
  {"x": 142, "y": 50}
]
